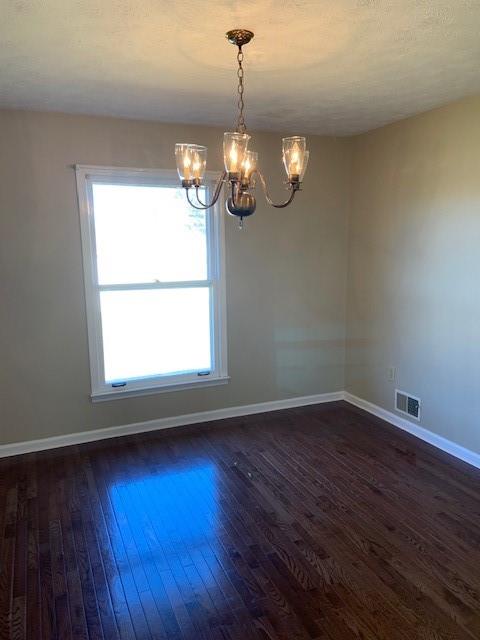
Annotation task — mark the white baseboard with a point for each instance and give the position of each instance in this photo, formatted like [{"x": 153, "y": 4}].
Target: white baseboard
[
  {"x": 54, "y": 442},
  {"x": 420, "y": 432}
]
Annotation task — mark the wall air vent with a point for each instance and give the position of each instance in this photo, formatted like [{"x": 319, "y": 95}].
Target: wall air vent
[{"x": 407, "y": 404}]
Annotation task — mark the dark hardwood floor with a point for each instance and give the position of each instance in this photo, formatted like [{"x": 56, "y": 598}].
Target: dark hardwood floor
[{"x": 319, "y": 522}]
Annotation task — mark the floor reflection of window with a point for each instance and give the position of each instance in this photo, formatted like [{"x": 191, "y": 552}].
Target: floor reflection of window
[{"x": 167, "y": 531}]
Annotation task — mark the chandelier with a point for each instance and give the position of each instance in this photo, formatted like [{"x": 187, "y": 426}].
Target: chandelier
[{"x": 241, "y": 163}]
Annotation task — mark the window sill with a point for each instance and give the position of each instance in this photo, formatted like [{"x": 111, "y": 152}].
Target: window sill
[{"x": 117, "y": 394}]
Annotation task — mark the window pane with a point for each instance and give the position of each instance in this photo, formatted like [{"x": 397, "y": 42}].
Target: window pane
[
  {"x": 147, "y": 234},
  {"x": 155, "y": 332}
]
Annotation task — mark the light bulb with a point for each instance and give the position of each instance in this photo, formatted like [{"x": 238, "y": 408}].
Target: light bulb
[
  {"x": 198, "y": 156},
  {"x": 249, "y": 166},
  {"x": 183, "y": 159},
  {"x": 234, "y": 149},
  {"x": 233, "y": 156},
  {"x": 295, "y": 159}
]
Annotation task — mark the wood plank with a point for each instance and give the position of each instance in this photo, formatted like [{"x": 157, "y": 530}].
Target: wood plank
[{"x": 313, "y": 523}]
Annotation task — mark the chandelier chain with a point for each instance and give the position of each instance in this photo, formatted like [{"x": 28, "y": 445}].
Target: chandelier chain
[{"x": 241, "y": 126}]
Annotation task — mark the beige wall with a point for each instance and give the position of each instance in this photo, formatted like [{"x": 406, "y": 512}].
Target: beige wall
[
  {"x": 286, "y": 276},
  {"x": 414, "y": 268},
  {"x": 413, "y": 193}
]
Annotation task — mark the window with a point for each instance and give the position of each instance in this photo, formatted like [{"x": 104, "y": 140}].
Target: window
[{"x": 153, "y": 281}]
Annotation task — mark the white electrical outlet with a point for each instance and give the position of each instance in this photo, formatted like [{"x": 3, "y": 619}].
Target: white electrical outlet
[{"x": 391, "y": 374}]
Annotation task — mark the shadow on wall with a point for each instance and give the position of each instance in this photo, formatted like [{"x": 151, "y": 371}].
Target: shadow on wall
[{"x": 309, "y": 358}]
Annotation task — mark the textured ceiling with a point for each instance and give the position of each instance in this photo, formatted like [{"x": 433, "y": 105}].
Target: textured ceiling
[{"x": 324, "y": 66}]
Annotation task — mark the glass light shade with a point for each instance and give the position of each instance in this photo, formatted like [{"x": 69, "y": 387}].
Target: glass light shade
[
  {"x": 294, "y": 150},
  {"x": 249, "y": 165},
  {"x": 191, "y": 161},
  {"x": 305, "y": 163},
  {"x": 234, "y": 149}
]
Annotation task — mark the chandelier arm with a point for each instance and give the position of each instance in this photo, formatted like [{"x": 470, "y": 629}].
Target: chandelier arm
[
  {"x": 197, "y": 187},
  {"x": 269, "y": 199},
  {"x": 216, "y": 194},
  {"x": 202, "y": 208},
  {"x": 218, "y": 188}
]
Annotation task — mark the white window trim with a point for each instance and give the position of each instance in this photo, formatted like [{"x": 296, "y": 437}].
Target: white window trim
[{"x": 101, "y": 391}]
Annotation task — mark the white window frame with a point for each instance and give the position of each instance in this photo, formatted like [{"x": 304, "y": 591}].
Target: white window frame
[{"x": 87, "y": 175}]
